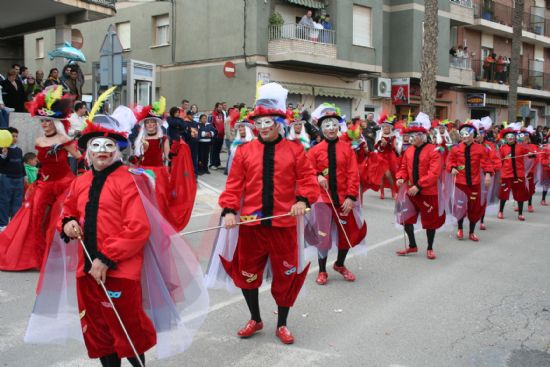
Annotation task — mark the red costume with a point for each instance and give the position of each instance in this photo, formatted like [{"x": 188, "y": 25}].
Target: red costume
[
  {"x": 471, "y": 161},
  {"x": 513, "y": 176},
  {"x": 421, "y": 166},
  {"x": 25, "y": 249},
  {"x": 107, "y": 205},
  {"x": 336, "y": 161},
  {"x": 272, "y": 176}
]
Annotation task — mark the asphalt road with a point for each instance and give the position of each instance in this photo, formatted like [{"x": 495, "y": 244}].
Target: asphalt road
[{"x": 478, "y": 304}]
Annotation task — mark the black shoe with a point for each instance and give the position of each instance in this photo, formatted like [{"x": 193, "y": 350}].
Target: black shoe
[{"x": 207, "y": 172}]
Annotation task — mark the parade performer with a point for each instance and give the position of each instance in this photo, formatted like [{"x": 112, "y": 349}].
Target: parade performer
[
  {"x": 532, "y": 164},
  {"x": 420, "y": 170},
  {"x": 337, "y": 174},
  {"x": 244, "y": 131},
  {"x": 386, "y": 146},
  {"x": 485, "y": 125},
  {"x": 112, "y": 217},
  {"x": 269, "y": 176},
  {"x": 25, "y": 249},
  {"x": 297, "y": 131},
  {"x": 442, "y": 138},
  {"x": 175, "y": 188},
  {"x": 545, "y": 179},
  {"x": 468, "y": 162},
  {"x": 513, "y": 176}
]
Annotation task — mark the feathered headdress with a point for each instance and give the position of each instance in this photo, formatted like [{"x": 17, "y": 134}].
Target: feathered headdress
[
  {"x": 387, "y": 119},
  {"x": 99, "y": 103},
  {"x": 485, "y": 123},
  {"x": 51, "y": 103},
  {"x": 156, "y": 111},
  {"x": 94, "y": 130}
]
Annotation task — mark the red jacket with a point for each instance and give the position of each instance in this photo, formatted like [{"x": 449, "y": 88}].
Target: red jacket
[
  {"x": 342, "y": 174},
  {"x": 427, "y": 167},
  {"x": 513, "y": 167},
  {"x": 258, "y": 191},
  {"x": 218, "y": 122},
  {"x": 545, "y": 158},
  {"x": 469, "y": 164},
  {"x": 122, "y": 224}
]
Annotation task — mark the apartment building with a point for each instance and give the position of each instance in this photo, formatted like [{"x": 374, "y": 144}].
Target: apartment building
[{"x": 213, "y": 50}]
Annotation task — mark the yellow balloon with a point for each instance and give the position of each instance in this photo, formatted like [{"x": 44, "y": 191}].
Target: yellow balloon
[{"x": 5, "y": 139}]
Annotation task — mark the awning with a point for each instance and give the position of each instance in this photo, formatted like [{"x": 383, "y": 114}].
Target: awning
[
  {"x": 298, "y": 88},
  {"x": 313, "y": 4},
  {"x": 337, "y": 92}
]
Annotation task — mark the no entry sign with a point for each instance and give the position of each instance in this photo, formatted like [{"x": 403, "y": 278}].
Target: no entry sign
[{"x": 229, "y": 69}]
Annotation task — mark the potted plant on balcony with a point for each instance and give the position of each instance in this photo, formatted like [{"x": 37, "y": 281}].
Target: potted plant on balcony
[{"x": 276, "y": 22}]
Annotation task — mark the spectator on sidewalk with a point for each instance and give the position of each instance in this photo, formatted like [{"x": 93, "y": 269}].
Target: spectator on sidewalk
[
  {"x": 217, "y": 141},
  {"x": 195, "y": 113},
  {"x": 31, "y": 88},
  {"x": 30, "y": 161},
  {"x": 13, "y": 92},
  {"x": 39, "y": 78},
  {"x": 74, "y": 84},
  {"x": 24, "y": 74},
  {"x": 177, "y": 128},
  {"x": 17, "y": 69},
  {"x": 192, "y": 128},
  {"x": 12, "y": 174},
  {"x": 4, "y": 114},
  {"x": 207, "y": 132},
  {"x": 184, "y": 107},
  {"x": 53, "y": 78},
  {"x": 77, "y": 120}
]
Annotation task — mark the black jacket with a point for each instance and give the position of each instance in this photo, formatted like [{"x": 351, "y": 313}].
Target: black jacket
[
  {"x": 12, "y": 166},
  {"x": 14, "y": 98}
]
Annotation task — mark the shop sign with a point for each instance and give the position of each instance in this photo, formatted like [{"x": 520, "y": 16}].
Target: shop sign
[
  {"x": 400, "y": 91},
  {"x": 476, "y": 99}
]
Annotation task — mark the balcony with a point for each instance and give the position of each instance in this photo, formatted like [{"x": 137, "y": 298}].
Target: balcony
[
  {"x": 301, "y": 45},
  {"x": 462, "y": 12},
  {"x": 460, "y": 70},
  {"x": 495, "y": 18},
  {"x": 532, "y": 81}
]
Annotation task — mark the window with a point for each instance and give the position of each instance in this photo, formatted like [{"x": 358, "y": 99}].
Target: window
[
  {"x": 39, "y": 48},
  {"x": 124, "y": 34},
  {"x": 162, "y": 30},
  {"x": 362, "y": 26}
]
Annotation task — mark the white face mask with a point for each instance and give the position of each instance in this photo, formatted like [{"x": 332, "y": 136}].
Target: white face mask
[
  {"x": 330, "y": 124},
  {"x": 263, "y": 122},
  {"x": 102, "y": 145}
]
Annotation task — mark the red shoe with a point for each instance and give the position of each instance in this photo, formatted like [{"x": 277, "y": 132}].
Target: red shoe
[
  {"x": 473, "y": 237},
  {"x": 430, "y": 254},
  {"x": 460, "y": 234},
  {"x": 482, "y": 227},
  {"x": 348, "y": 275},
  {"x": 543, "y": 203},
  {"x": 284, "y": 335},
  {"x": 521, "y": 218},
  {"x": 322, "y": 278},
  {"x": 250, "y": 329},
  {"x": 530, "y": 208},
  {"x": 500, "y": 215},
  {"x": 408, "y": 250},
  {"x": 516, "y": 209}
]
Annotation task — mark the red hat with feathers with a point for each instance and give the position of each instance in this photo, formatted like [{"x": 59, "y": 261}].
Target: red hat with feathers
[
  {"x": 506, "y": 131},
  {"x": 96, "y": 130}
]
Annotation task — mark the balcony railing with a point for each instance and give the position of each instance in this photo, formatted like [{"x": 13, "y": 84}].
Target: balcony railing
[
  {"x": 460, "y": 62},
  {"x": 464, "y": 3},
  {"x": 500, "y": 74},
  {"x": 304, "y": 33},
  {"x": 105, "y": 3},
  {"x": 533, "y": 21}
]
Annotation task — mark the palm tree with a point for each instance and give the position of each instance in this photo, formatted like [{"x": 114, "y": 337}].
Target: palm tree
[
  {"x": 429, "y": 58},
  {"x": 514, "y": 64}
]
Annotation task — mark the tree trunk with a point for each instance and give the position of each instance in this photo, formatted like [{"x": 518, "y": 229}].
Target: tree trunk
[
  {"x": 429, "y": 59},
  {"x": 514, "y": 64}
]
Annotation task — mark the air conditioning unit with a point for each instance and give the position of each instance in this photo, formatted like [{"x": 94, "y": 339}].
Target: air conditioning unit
[{"x": 381, "y": 88}]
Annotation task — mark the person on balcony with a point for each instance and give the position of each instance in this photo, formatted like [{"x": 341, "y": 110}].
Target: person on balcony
[
  {"x": 489, "y": 67},
  {"x": 501, "y": 69},
  {"x": 306, "y": 24}
]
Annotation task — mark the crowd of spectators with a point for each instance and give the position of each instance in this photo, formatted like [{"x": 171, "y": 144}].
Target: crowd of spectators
[{"x": 19, "y": 85}]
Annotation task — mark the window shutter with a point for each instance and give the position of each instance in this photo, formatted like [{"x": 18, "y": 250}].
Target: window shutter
[
  {"x": 362, "y": 26},
  {"x": 124, "y": 34}
]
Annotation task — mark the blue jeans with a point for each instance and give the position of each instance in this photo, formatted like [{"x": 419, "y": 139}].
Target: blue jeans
[
  {"x": 4, "y": 118},
  {"x": 11, "y": 197}
]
